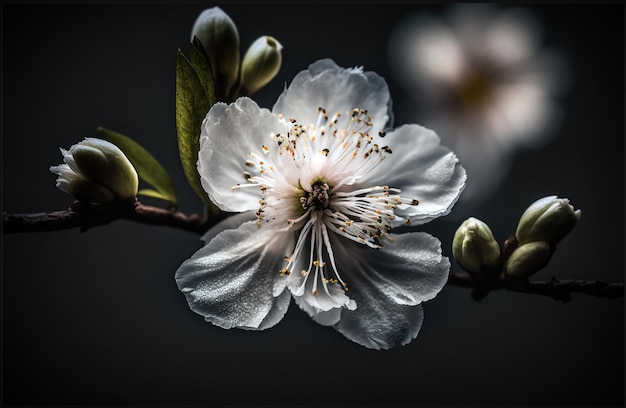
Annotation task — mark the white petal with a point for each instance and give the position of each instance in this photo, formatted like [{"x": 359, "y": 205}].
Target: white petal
[
  {"x": 233, "y": 280},
  {"x": 337, "y": 90},
  {"x": 69, "y": 159},
  {"x": 66, "y": 176},
  {"x": 65, "y": 172},
  {"x": 511, "y": 37},
  {"x": 528, "y": 116},
  {"x": 423, "y": 170},
  {"x": 382, "y": 327},
  {"x": 229, "y": 134},
  {"x": 276, "y": 313},
  {"x": 423, "y": 50},
  {"x": 232, "y": 222},
  {"x": 409, "y": 270},
  {"x": 388, "y": 285},
  {"x": 327, "y": 318},
  {"x": 323, "y": 301}
]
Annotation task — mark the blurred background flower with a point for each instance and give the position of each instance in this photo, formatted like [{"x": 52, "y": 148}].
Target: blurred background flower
[{"x": 481, "y": 79}]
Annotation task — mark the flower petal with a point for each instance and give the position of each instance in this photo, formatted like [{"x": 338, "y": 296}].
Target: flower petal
[
  {"x": 232, "y": 222},
  {"x": 423, "y": 170},
  {"x": 226, "y": 140},
  {"x": 423, "y": 51},
  {"x": 383, "y": 327},
  {"x": 328, "y": 297},
  {"x": 337, "y": 90},
  {"x": 409, "y": 270},
  {"x": 234, "y": 280},
  {"x": 325, "y": 318},
  {"x": 388, "y": 285},
  {"x": 527, "y": 114},
  {"x": 511, "y": 37},
  {"x": 276, "y": 313}
]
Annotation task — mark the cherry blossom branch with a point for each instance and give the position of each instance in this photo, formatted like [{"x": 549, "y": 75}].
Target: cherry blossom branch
[
  {"x": 83, "y": 216},
  {"x": 554, "y": 288}
]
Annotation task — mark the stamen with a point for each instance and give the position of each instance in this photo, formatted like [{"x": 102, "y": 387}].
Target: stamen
[{"x": 304, "y": 187}]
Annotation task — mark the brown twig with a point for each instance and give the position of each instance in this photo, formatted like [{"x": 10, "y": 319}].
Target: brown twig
[
  {"x": 554, "y": 288},
  {"x": 84, "y": 216}
]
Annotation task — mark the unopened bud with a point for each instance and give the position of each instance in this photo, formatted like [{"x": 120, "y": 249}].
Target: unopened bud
[
  {"x": 96, "y": 171},
  {"x": 260, "y": 64},
  {"x": 527, "y": 259},
  {"x": 220, "y": 40},
  {"x": 548, "y": 219},
  {"x": 474, "y": 246}
]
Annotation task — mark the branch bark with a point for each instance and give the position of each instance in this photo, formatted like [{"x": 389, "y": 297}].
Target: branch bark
[
  {"x": 557, "y": 289},
  {"x": 84, "y": 216}
]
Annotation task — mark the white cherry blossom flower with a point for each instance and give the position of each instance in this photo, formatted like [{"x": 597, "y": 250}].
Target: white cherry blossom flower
[
  {"x": 320, "y": 183},
  {"x": 483, "y": 82}
]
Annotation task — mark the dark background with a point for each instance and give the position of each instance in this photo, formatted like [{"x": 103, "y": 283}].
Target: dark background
[{"x": 96, "y": 318}]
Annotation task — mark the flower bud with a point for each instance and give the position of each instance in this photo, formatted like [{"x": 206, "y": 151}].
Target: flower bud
[
  {"x": 548, "y": 219},
  {"x": 474, "y": 246},
  {"x": 96, "y": 171},
  {"x": 527, "y": 259},
  {"x": 260, "y": 64},
  {"x": 220, "y": 40}
]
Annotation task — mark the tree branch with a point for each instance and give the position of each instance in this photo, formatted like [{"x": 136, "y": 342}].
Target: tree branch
[
  {"x": 554, "y": 288},
  {"x": 84, "y": 216}
]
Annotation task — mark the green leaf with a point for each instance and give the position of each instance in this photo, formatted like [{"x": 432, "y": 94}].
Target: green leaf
[
  {"x": 148, "y": 168},
  {"x": 192, "y": 104},
  {"x": 152, "y": 193},
  {"x": 200, "y": 63}
]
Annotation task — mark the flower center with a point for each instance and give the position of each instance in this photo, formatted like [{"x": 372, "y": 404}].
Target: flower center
[
  {"x": 312, "y": 183},
  {"x": 318, "y": 198},
  {"x": 474, "y": 89}
]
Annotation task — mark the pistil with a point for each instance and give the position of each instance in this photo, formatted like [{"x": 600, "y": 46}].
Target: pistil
[{"x": 317, "y": 198}]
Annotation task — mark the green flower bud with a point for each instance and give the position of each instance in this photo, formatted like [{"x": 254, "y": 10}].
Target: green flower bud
[
  {"x": 220, "y": 40},
  {"x": 548, "y": 219},
  {"x": 474, "y": 246},
  {"x": 96, "y": 171},
  {"x": 527, "y": 259},
  {"x": 260, "y": 64}
]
